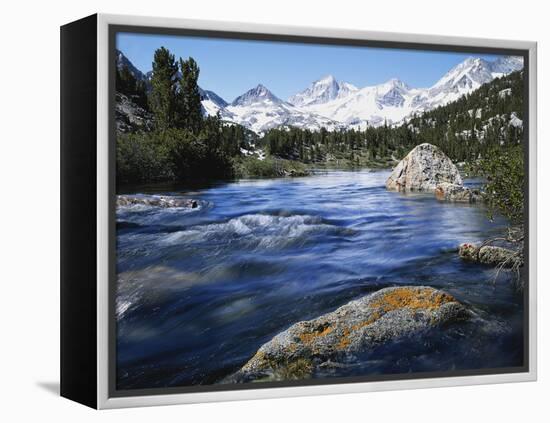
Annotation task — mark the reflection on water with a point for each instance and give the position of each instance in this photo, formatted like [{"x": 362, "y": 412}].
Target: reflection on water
[{"x": 200, "y": 290}]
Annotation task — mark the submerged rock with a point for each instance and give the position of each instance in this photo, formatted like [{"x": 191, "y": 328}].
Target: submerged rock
[
  {"x": 423, "y": 169},
  {"x": 157, "y": 201},
  {"x": 490, "y": 254},
  {"x": 360, "y": 325},
  {"x": 446, "y": 191}
]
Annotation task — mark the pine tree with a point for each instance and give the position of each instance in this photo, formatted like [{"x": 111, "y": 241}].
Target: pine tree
[
  {"x": 125, "y": 81},
  {"x": 141, "y": 95},
  {"x": 163, "y": 93},
  {"x": 189, "y": 98}
]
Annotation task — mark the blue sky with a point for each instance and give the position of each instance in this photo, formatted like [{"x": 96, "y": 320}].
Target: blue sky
[{"x": 231, "y": 67}]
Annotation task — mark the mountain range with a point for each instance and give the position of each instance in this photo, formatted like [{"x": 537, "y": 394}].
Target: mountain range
[{"x": 332, "y": 104}]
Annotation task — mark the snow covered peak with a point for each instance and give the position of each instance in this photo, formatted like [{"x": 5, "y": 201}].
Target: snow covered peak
[
  {"x": 261, "y": 89},
  {"x": 472, "y": 70},
  {"x": 258, "y": 94},
  {"x": 469, "y": 65},
  {"x": 470, "y": 61},
  {"x": 326, "y": 80},
  {"x": 471, "y": 74},
  {"x": 392, "y": 93},
  {"x": 322, "y": 91},
  {"x": 461, "y": 79},
  {"x": 507, "y": 64},
  {"x": 394, "y": 83}
]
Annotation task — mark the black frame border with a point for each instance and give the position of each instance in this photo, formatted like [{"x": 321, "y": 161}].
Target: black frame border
[
  {"x": 78, "y": 211},
  {"x": 113, "y": 29}
]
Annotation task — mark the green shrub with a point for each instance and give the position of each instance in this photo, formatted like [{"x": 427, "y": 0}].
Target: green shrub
[
  {"x": 141, "y": 158},
  {"x": 504, "y": 170},
  {"x": 170, "y": 155},
  {"x": 270, "y": 167}
]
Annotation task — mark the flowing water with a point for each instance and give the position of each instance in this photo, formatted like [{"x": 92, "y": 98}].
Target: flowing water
[{"x": 200, "y": 290}]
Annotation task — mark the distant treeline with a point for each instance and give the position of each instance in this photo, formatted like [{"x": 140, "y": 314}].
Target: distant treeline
[{"x": 473, "y": 127}]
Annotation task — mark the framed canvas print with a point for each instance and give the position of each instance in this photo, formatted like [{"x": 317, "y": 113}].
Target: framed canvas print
[{"x": 254, "y": 211}]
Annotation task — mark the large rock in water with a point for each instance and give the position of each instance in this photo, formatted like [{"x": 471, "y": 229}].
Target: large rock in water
[
  {"x": 423, "y": 169},
  {"x": 360, "y": 325}
]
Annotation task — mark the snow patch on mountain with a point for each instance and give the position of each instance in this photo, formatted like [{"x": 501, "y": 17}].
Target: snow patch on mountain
[
  {"x": 212, "y": 104},
  {"x": 259, "y": 95}
]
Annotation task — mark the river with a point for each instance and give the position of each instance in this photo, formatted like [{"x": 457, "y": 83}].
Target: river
[{"x": 200, "y": 290}]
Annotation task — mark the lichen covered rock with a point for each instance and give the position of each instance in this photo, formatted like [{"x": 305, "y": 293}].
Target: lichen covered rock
[
  {"x": 423, "y": 169},
  {"x": 360, "y": 325},
  {"x": 490, "y": 254},
  {"x": 496, "y": 255},
  {"x": 446, "y": 191},
  {"x": 468, "y": 252},
  {"x": 156, "y": 201}
]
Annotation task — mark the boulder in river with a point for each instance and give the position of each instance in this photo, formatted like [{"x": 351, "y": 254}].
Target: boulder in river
[
  {"x": 423, "y": 169},
  {"x": 446, "y": 191},
  {"x": 384, "y": 316},
  {"x": 490, "y": 254},
  {"x": 156, "y": 201}
]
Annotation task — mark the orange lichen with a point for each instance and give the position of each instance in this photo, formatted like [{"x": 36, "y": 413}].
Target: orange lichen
[
  {"x": 309, "y": 337},
  {"x": 373, "y": 318},
  {"x": 426, "y": 299},
  {"x": 344, "y": 340},
  {"x": 395, "y": 299}
]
